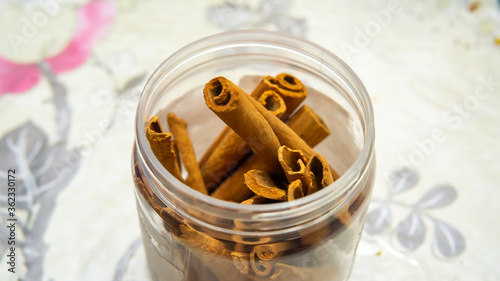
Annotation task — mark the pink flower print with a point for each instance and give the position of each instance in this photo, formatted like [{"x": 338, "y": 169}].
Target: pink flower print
[
  {"x": 16, "y": 78},
  {"x": 93, "y": 21}
]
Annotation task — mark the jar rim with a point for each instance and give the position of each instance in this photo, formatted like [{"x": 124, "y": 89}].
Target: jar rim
[{"x": 275, "y": 210}]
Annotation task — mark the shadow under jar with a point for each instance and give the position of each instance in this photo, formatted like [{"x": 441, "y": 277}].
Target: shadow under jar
[{"x": 191, "y": 236}]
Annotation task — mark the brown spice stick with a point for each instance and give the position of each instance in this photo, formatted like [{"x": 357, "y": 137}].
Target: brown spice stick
[
  {"x": 226, "y": 149},
  {"x": 262, "y": 184},
  {"x": 294, "y": 165},
  {"x": 315, "y": 128},
  {"x": 320, "y": 173},
  {"x": 286, "y": 135},
  {"x": 163, "y": 147},
  {"x": 304, "y": 122},
  {"x": 213, "y": 146},
  {"x": 287, "y": 86},
  {"x": 322, "y": 178},
  {"x": 234, "y": 107},
  {"x": 295, "y": 190},
  {"x": 233, "y": 188},
  {"x": 241, "y": 261},
  {"x": 264, "y": 257},
  {"x": 178, "y": 127},
  {"x": 273, "y": 103},
  {"x": 256, "y": 199},
  {"x": 229, "y": 148},
  {"x": 211, "y": 253},
  {"x": 259, "y": 267}
]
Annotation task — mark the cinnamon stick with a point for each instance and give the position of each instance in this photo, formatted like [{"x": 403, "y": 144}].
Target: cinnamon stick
[
  {"x": 320, "y": 173},
  {"x": 294, "y": 165},
  {"x": 211, "y": 253},
  {"x": 234, "y": 189},
  {"x": 262, "y": 184},
  {"x": 163, "y": 147},
  {"x": 315, "y": 129},
  {"x": 213, "y": 146},
  {"x": 178, "y": 127},
  {"x": 322, "y": 178},
  {"x": 287, "y": 86},
  {"x": 260, "y": 267},
  {"x": 226, "y": 150},
  {"x": 234, "y": 107},
  {"x": 229, "y": 148},
  {"x": 295, "y": 190},
  {"x": 273, "y": 103},
  {"x": 264, "y": 258},
  {"x": 241, "y": 261},
  {"x": 256, "y": 199},
  {"x": 286, "y": 135}
]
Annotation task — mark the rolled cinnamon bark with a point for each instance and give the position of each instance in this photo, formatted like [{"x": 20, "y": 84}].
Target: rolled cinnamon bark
[
  {"x": 294, "y": 165},
  {"x": 230, "y": 147},
  {"x": 227, "y": 149},
  {"x": 315, "y": 129},
  {"x": 295, "y": 190},
  {"x": 211, "y": 253},
  {"x": 287, "y": 86},
  {"x": 262, "y": 184},
  {"x": 286, "y": 135},
  {"x": 256, "y": 199},
  {"x": 213, "y": 146},
  {"x": 178, "y": 127},
  {"x": 234, "y": 107},
  {"x": 304, "y": 122},
  {"x": 321, "y": 176},
  {"x": 163, "y": 147}
]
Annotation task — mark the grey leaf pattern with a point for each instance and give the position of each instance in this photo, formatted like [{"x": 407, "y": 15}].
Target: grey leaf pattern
[
  {"x": 448, "y": 240},
  {"x": 403, "y": 179},
  {"x": 235, "y": 15},
  {"x": 134, "y": 82},
  {"x": 121, "y": 267},
  {"x": 42, "y": 171},
  {"x": 378, "y": 220},
  {"x": 60, "y": 100},
  {"x": 274, "y": 7},
  {"x": 21, "y": 149},
  {"x": 438, "y": 197},
  {"x": 40, "y": 168},
  {"x": 230, "y": 15},
  {"x": 411, "y": 231}
]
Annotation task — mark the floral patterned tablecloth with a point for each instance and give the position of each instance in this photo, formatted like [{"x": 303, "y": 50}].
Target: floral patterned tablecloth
[{"x": 71, "y": 74}]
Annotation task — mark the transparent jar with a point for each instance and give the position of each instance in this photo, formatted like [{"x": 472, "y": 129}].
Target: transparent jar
[{"x": 191, "y": 236}]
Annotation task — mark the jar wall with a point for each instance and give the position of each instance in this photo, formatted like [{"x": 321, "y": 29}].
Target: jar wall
[{"x": 176, "y": 251}]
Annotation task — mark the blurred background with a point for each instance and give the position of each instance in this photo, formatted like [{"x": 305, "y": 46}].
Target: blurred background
[{"x": 71, "y": 73}]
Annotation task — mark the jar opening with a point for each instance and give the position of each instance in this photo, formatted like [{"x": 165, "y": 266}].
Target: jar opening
[{"x": 203, "y": 208}]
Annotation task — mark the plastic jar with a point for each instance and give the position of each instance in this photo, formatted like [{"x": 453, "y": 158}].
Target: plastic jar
[{"x": 191, "y": 236}]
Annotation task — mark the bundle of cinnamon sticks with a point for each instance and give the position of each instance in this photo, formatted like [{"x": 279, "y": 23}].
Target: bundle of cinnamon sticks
[{"x": 263, "y": 155}]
